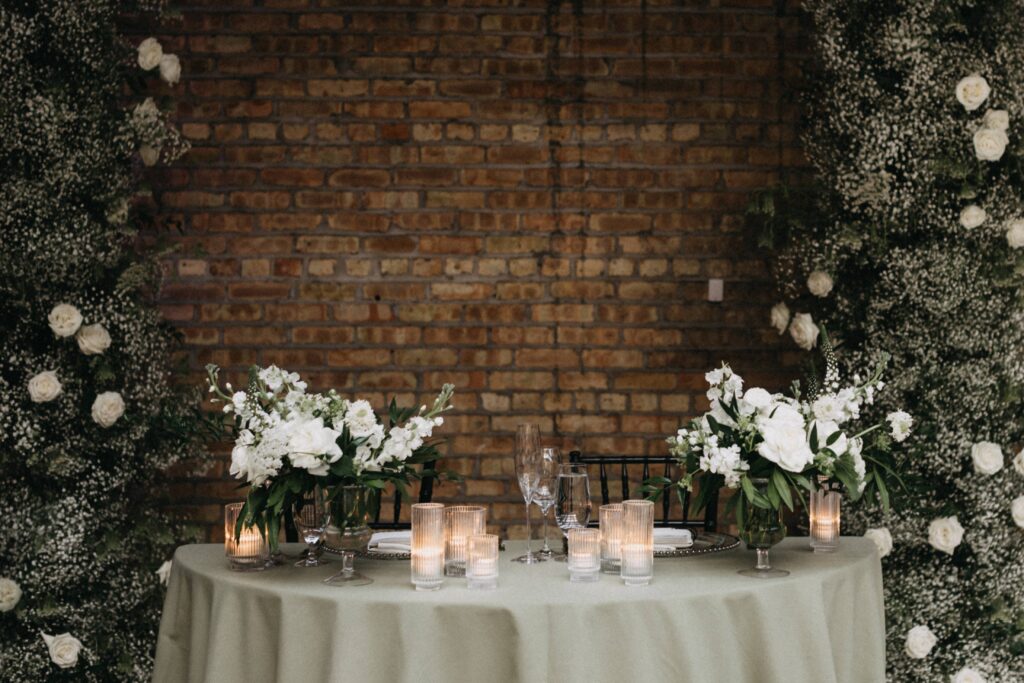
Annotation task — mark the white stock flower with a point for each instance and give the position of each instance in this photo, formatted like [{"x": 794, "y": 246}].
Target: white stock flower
[
  {"x": 900, "y": 423},
  {"x": 10, "y": 594},
  {"x": 360, "y": 418},
  {"x": 64, "y": 649},
  {"x": 1015, "y": 234},
  {"x": 882, "y": 540},
  {"x": 170, "y": 69},
  {"x": 312, "y": 446},
  {"x": 945, "y": 534},
  {"x": 987, "y": 457},
  {"x": 829, "y": 408},
  {"x": 803, "y": 331},
  {"x": 150, "y": 53},
  {"x": 1017, "y": 510},
  {"x": 785, "y": 441},
  {"x": 990, "y": 144},
  {"x": 150, "y": 155},
  {"x": 64, "y": 320},
  {"x": 93, "y": 339},
  {"x": 972, "y": 91},
  {"x": 164, "y": 572},
  {"x": 1018, "y": 462},
  {"x": 44, "y": 387},
  {"x": 920, "y": 641},
  {"x": 819, "y": 283},
  {"x": 780, "y": 317},
  {"x": 967, "y": 675},
  {"x": 107, "y": 408},
  {"x": 972, "y": 216},
  {"x": 997, "y": 119}
]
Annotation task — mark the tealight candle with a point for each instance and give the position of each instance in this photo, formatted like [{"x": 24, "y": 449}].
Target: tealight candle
[
  {"x": 460, "y": 522},
  {"x": 584, "y": 558},
  {"x": 249, "y": 552},
  {"x": 823, "y": 514},
  {"x": 482, "y": 561},
  {"x": 637, "y": 548},
  {"x": 427, "y": 546},
  {"x": 610, "y": 521}
]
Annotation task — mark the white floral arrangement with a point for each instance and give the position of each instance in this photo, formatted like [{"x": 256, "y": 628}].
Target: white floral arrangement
[{"x": 287, "y": 441}]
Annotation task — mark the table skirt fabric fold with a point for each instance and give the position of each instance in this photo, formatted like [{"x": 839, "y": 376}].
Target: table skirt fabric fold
[{"x": 698, "y": 621}]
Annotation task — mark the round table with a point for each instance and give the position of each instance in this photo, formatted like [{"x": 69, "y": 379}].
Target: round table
[{"x": 697, "y": 621}]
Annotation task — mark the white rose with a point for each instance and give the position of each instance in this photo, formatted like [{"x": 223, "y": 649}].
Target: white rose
[
  {"x": 967, "y": 675},
  {"x": 920, "y": 641},
  {"x": 10, "y": 594},
  {"x": 785, "y": 440},
  {"x": 972, "y": 215},
  {"x": 1017, "y": 510},
  {"x": 882, "y": 540},
  {"x": 44, "y": 387},
  {"x": 310, "y": 443},
  {"x": 63, "y": 649},
  {"x": 1018, "y": 462},
  {"x": 170, "y": 69},
  {"x": 93, "y": 339},
  {"x": 825, "y": 430},
  {"x": 819, "y": 283},
  {"x": 756, "y": 399},
  {"x": 987, "y": 457},
  {"x": 64, "y": 320},
  {"x": 972, "y": 91},
  {"x": 900, "y": 423},
  {"x": 1015, "y": 234},
  {"x": 998, "y": 119},
  {"x": 150, "y": 155},
  {"x": 150, "y": 53},
  {"x": 164, "y": 572},
  {"x": 780, "y": 317},
  {"x": 945, "y": 534},
  {"x": 990, "y": 144},
  {"x": 107, "y": 408},
  {"x": 804, "y": 331}
]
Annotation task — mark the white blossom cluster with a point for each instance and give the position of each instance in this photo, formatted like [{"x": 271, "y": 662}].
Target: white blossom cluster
[
  {"x": 90, "y": 415},
  {"x": 914, "y": 132}
]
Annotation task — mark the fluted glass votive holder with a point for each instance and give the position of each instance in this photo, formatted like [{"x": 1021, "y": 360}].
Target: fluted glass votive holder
[
  {"x": 823, "y": 513},
  {"x": 610, "y": 521},
  {"x": 637, "y": 542},
  {"x": 584, "y": 556},
  {"x": 427, "y": 546},
  {"x": 482, "y": 561},
  {"x": 249, "y": 552},
  {"x": 461, "y": 522}
]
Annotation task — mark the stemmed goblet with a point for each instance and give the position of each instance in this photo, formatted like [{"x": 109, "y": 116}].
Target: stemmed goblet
[
  {"x": 528, "y": 468},
  {"x": 311, "y": 515},
  {"x": 544, "y": 495},
  {"x": 572, "y": 498}
]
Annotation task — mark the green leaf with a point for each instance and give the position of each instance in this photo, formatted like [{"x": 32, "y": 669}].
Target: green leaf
[{"x": 782, "y": 486}]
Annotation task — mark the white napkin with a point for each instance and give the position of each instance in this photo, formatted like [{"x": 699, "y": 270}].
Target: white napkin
[
  {"x": 666, "y": 539},
  {"x": 391, "y": 541}
]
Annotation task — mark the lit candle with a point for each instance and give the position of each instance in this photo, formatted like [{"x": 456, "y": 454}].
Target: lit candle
[
  {"x": 249, "y": 552},
  {"x": 482, "y": 561},
  {"x": 584, "y": 554},
  {"x": 460, "y": 522},
  {"x": 611, "y": 537},
  {"x": 824, "y": 520},
  {"x": 427, "y": 546},
  {"x": 637, "y": 549}
]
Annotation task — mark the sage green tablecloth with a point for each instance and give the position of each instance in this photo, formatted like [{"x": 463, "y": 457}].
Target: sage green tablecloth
[{"x": 698, "y": 621}]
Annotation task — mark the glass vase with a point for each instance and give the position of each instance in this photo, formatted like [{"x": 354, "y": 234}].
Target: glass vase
[
  {"x": 762, "y": 528},
  {"x": 348, "y": 531}
]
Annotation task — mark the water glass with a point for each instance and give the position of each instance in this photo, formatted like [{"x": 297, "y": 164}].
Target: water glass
[
  {"x": 544, "y": 495},
  {"x": 637, "y": 542},
  {"x": 528, "y": 468},
  {"x": 460, "y": 522},
  {"x": 572, "y": 497},
  {"x": 311, "y": 515}
]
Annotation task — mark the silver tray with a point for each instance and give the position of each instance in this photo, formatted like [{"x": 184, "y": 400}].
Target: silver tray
[
  {"x": 705, "y": 543},
  {"x": 385, "y": 555}
]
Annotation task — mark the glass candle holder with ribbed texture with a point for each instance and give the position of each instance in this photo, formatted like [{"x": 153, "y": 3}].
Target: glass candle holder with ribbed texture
[
  {"x": 610, "y": 521},
  {"x": 637, "y": 542},
  {"x": 460, "y": 522},
  {"x": 823, "y": 514},
  {"x": 482, "y": 561},
  {"x": 427, "y": 546},
  {"x": 584, "y": 558},
  {"x": 249, "y": 552}
]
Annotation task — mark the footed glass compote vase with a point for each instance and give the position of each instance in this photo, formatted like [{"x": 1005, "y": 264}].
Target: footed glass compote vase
[
  {"x": 348, "y": 532},
  {"x": 762, "y": 529}
]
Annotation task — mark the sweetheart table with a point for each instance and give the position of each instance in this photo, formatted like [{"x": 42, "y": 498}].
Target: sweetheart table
[{"x": 697, "y": 621}]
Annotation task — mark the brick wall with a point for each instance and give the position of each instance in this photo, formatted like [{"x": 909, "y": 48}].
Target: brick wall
[{"x": 524, "y": 198}]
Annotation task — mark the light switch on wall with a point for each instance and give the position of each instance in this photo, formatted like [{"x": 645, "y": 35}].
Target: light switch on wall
[{"x": 716, "y": 288}]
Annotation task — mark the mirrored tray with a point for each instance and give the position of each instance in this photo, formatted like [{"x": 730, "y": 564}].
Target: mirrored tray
[{"x": 707, "y": 542}]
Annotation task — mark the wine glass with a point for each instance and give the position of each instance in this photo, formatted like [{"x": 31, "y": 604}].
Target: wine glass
[
  {"x": 311, "y": 515},
  {"x": 572, "y": 498},
  {"x": 544, "y": 495},
  {"x": 528, "y": 468}
]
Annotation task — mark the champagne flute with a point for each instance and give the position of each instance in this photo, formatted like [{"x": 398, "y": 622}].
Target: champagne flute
[
  {"x": 544, "y": 495},
  {"x": 311, "y": 515},
  {"x": 528, "y": 468},
  {"x": 572, "y": 498}
]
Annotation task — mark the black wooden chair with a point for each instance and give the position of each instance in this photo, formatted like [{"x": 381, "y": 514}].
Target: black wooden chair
[
  {"x": 623, "y": 463},
  {"x": 425, "y": 496}
]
